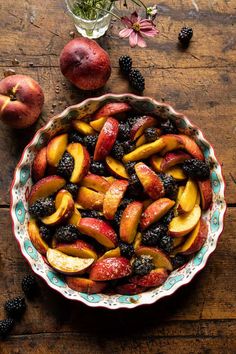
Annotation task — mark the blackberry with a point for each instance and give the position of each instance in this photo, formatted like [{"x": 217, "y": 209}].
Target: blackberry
[
  {"x": 117, "y": 218},
  {"x": 124, "y": 131},
  {"x": 42, "y": 207},
  {"x": 154, "y": 234},
  {"x": 91, "y": 214},
  {"x": 67, "y": 233},
  {"x": 185, "y": 36},
  {"x": 168, "y": 127},
  {"x": 128, "y": 146},
  {"x": 196, "y": 169},
  {"x": 45, "y": 233},
  {"x": 98, "y": 168},
  {"x": 15, "y": 307},
  {"x": 66, "y": 165},
  {"x": 170, "y": 185},
  {"x": 117, "y": 151},
  {"x": 90, "y": 142},
  {"x": 132, "y": 120},
  {"x": 142, "y": 265},
  {"x": 125, "y": 63},
  {"x": 29, "y": 285},
  {"x": 151, "y": 134},
  {"x": 168, "y": 217},
  {"x": 129, "y": 166},
  {"x": 125, "y": 202},
  {"x": 75, "y": 137},
  {"x": 137, "y": 80},
  {"x": 165, "y": 243},
  {"x": 135, "y": 187},
  {"x": 72, "y": 188},
  {"x": 126, "y": 250},
  {"x": 6, "y": 327},
  {"x": 178, "y": 261}
]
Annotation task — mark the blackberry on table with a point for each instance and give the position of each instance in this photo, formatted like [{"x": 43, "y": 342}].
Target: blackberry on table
[
  {"x": 142, "y": 265},
  {"x": 72, "y": 188},
  {"x": 178, "y": 261},
  {"x": 6, "y": 326},
  {"x": 125, "y": 63},
  {"x": 152, "y": 236},
  {"x": 129, "y": 166},
  {"x": 170, "y": 185},
  {"x": 196, "y": 169},
  {"x": 137, "y": 80},
  {"x": 185, "y": 36},
  {"x": 128, "y": 146},
  {"x": 98, "y": 168},
  {"x": 29, "y": 285},
  {"x": 168, "y": 127},
  {"x": 91, "y": 214},
  {"x": 42, "y": 207},
  {"x": 45, "y": 233},
  {"x": 15, "y": 307},
  {"x": 66, "y": 165},
  {"x": 151, "y": 134},
  {"x": 126, "y": 250},
  {"x": 117, "y": 151},
  {"x": 90, "y": 142},
  {"x": 124, "y": 131},
  {"x": 67, "y": 233},
  {"x": 75, "y": 137}
]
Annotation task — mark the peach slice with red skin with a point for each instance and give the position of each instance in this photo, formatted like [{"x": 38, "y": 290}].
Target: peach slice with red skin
[
  {"x": 129, "y": 289},
  {"x": 100, "y": 230},
  {"x": 195, "y": 239},
  {"x": 110, "y": 109},
  {"x": 59, "y": 197},
  {"x": 116, "y": 167},
  {"x": 98, "y": 124},
  {"x": 106, "y": 139},
  {"x": 46, "y": 187},
  {"x": 188, "y": 198},
  {"x": 95, "y": 182},
  {"x": 115, "y": 252},
  {"x": 113, "y": 198},
  {"x": 84, "y": 285},
  {"x": 183, "y": 224},
  {"x": 155, "y": 278},
  {"x": 79, "y": 248},
  {"x": 63, "y": 212},
  {"x": 75, "y": 218},
  {"x": 155, "y": 211},
  {"x": 205, "y": 193},
  {"x": 151, "y": 182},
  {"x": 39, "y": 164},
  {"x": 35, "y": 237},
  {"x": 160, "y": 259},
  {"x": 83, "y": 127},
  {"x": 81, "y": 161},
  {"x": 90, "y": 199},
  {"x": 156, "y": 162},
  {"x": 192, "y": 148},
  {"x": 145, "y": 151},
  {"x": 173, "y": 158},
  {"x": 129, "y": 221},
  {"x": 56, "y": 148},
  {"x": 140, "y": 125},
  {"x": 110, "y": 268},
  {"x": 67, "y": 264}
]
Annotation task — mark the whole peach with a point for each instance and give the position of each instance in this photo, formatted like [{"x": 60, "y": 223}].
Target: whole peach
[
  {"x": 21, "y": 101},
  {"x": 85, "y": 64}
]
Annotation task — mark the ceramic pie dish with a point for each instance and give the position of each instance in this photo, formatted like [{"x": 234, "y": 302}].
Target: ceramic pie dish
[{"x": 22, "y": 183}]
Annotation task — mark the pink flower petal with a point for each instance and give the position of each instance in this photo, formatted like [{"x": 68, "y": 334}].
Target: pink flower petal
[
  {"x": 134, "y": 17},
  {"x": 126, "y": 21},
  {"x": 126, "y": 32},
  {"x": 150, "y": 33},
  {"x": 133, "y": 39},
  {"x": 147, "y": 22},
  {"x": 141, "y": 42}
]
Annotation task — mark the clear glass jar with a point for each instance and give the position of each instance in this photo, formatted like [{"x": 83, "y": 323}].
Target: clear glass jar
[{"x": 89, "y": 28}]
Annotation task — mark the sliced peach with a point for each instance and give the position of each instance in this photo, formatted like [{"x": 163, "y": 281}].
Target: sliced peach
[
  {"x": 110, "y": 109},
  {"x": 110, "y": 179},
  {"x": 64, "y": 212},
  {"x": 39, "y": 164},
  {"x": 95, "y": 182},
  {"x": 83, "y": 127},
  {"x": 140, "y": 125},
  {"x": 177, "y": 173},
  {"x": 146, "y": 203},
  {"x": 205, "y": 193},
  {"x": 192, "y": 148},
  {"x": 156, "y": 162},
  {"x": 79, "y": 248},
  {"x": 145, "y": 151},
  {"x": 198, "y": 199},
  {"x": 116, "y": 167},
  {"x": 106, "y": 139},
  {"x": 160, "y": 259},
  {"x": 172, "y": 142},
  {"x": 137, "y": 240},
  {"x": 46, "y": 187},
  {"x": 155, "y": 278},
  {"x": 129, "y": 221},
  {"x": 141, "y": 140},
  {"x": 110, "y": 268},
  {"x": 151, "y": 182},
  {"x": 75, "y": 218},
  {"x": 129, "y": 289},
  {"x": 56, "y": 148},
  {"x": 90, "y": 199},
  {"x": 113, "y": 198},
  {"x": 98, "y": 124},
  {"x": 179, "y": 194},
  {"x": 195, "y": 239},
  {"x": 84, "y": 285},
  {"x": 115, "y": 252},
  {"x": 67, "y": 264},
  {"x": 59, "y": 197},
  {"x": 35, "y": 237},
  {"x": 156, "y": 211},
  {"x": 100, "y": 230},
  {"x": 181, "y": 225},
  {"x": 81, "y": 161},
  {"x": 188, "y": 198},
  {"x": 177, "y": 241},
  {"x": 173, "y": 158}
]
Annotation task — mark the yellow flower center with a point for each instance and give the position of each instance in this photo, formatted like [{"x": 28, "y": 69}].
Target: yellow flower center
[{"x": 136, "y": 27}]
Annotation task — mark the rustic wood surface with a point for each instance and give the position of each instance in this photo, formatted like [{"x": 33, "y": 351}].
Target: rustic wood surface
[{"x": 200, "y": 82}]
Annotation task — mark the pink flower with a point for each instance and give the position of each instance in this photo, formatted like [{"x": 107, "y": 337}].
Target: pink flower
[{"x": 136, "y": 28}]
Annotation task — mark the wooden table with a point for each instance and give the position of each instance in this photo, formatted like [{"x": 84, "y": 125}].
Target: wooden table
[{"x": 199, "y": 318}]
